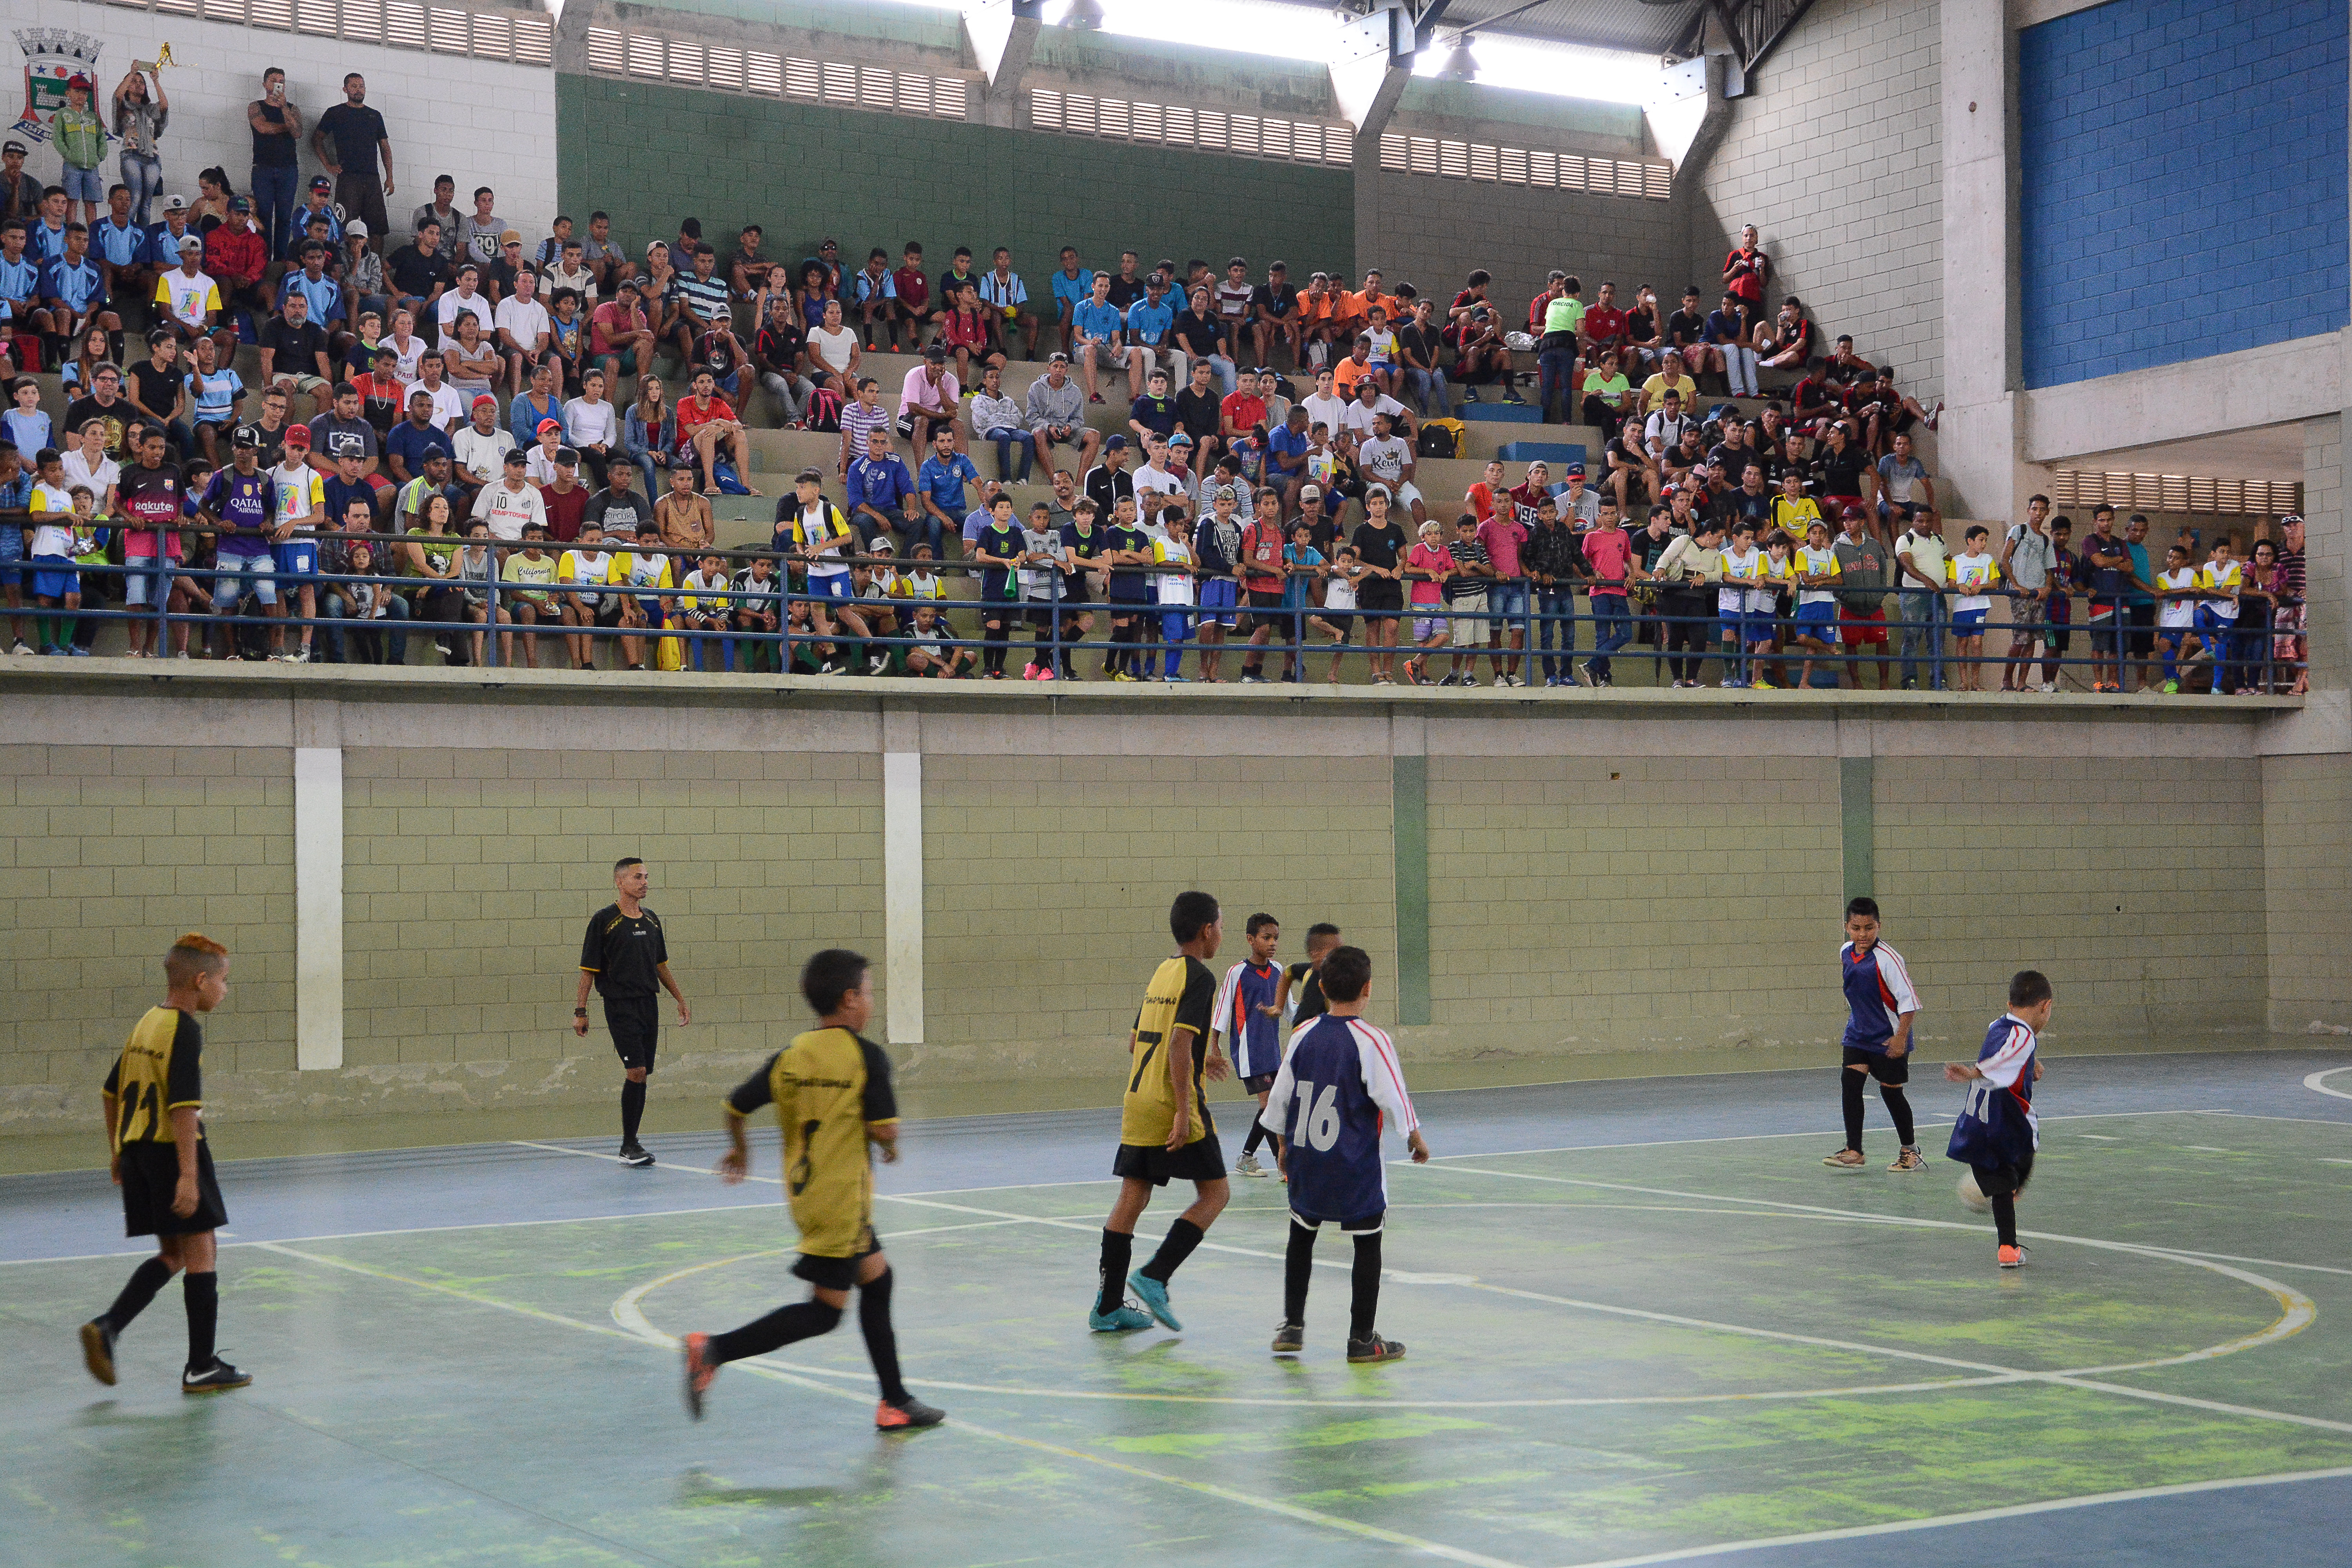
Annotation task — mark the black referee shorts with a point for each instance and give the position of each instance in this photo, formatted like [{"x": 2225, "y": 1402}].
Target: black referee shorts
[
  {"x": 635, "y": 1022},
  {"x": 151, "y": 1174}
]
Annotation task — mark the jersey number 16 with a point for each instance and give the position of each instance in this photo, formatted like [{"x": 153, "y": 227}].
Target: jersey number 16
[{"x": 1318, "y": 1120}]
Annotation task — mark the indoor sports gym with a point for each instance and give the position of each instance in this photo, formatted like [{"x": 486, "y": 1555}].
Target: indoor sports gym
[{"x": 1715, "y": 1087}]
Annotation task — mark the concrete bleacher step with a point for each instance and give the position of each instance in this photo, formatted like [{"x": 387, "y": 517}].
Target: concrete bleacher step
[
  {"x": 1484, "y": 413},
  {"x": 1558, "y": 455}
]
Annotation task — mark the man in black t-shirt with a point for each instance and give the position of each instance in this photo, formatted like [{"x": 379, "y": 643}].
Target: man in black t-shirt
[
  {"x": 346, "y": 141},
  {"x": 624, "y": 957}
]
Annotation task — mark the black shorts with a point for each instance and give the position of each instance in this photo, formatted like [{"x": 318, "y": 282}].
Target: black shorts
[
  {"x": 836, "y": 1273},
  {"x": 2143, "y": 633},
  {"x": 1340, "y": 621},
  {"x": 608, "y": 611},
  {"x": 1384, "y": 598},
  {"x": 1997, "y": 1181},
  {"x": 1042, "y": 617},
  {"x": 1258, "y": 1082},
  {"x": 1887, "y": 1070},
  {"x": 635, "y": 1022},
  {"x": 1203, "y": 1160},
  {"x": 1267, "y": 610},
  {"x": 151, "y": 1174}
]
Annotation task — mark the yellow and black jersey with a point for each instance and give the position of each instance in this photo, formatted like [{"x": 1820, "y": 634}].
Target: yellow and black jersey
[
  {"x": 829, "y": 1086},
  {"x": 1181, "y": 998},
  {"x": 161, "y": 1071},
  {"x": 624, "y": 953}
]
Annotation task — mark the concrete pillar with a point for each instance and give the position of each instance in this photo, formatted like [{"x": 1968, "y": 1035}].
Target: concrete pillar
[
  {"x": 318, "y": 907},
  {"x": 902, "y": 895},
  {"x": 1979, "y": 443}
]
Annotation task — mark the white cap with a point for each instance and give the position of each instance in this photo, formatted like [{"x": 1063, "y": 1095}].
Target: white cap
[
  {"x": 175, "y": 204},
  {"x": 357, "y": 227}
]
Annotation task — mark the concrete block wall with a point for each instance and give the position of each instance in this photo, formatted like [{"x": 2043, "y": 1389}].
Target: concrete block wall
[
  {"x": 484, "y": 122},
  {"x": 111, "y": 852},
  {"x": 2307, "y": 801},
  {"x": 1629, "y": 901},
  {"x": 2143, "y": 884},
  {"x": 1836, "y": 159},
  {"x": 2192, "y": 148},
  {"x": 1048, "y": 879},
  {"x": 883, "y": 179}
]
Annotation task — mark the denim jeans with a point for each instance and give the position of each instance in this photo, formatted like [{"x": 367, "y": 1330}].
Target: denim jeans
[
  {"x": 1009, "y": 441},
  {"x": 1612, "y": 628},
  {"x": 337, "y": 607},
  {"x": 143, "y": 172},
  {"x": 923, "y": 529},
  {"x": 1555, "y": 608},
  {"x": 1924, "y": 619},
  {"x": 1423, "y": 385},
  {"x": 1227, "y": 379},
  {"x": 274, "y": 194},
  {"x": 1553, "y": 368}
]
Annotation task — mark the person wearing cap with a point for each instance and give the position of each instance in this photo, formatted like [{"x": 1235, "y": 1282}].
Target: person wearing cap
[
  {"x": 318, "y": 206},
  {"x": 499, "y": 272},
  {"x": 20, "y": 192},
  {"x": 239, "y": 507},
  {"x": 363, "y": 272},
  {"x": 81, "y": 145},
  {"x": 237, "y": 256},
  {"x": 565, "y": 498},
  {"x": 546, "y": 447},
  {"x": 512, "y": 502},
  {"x": 482, "y": 445},
  {"x": 1056, "y": 410},
  {"x": 347, "y": 140}
]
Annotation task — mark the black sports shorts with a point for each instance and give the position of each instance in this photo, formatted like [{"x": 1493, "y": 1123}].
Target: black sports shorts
[
  {"x": 1203, "y": 1160},
  {"x": 1884, "y": 1069},
  {"x": 635, "y": 1022},
  {"x": 836, "y": 1273},
  {"x": 151, "y": 1174}
]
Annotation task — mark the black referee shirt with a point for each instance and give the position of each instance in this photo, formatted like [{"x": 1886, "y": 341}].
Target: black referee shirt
[{"x": 623, "y": 952}]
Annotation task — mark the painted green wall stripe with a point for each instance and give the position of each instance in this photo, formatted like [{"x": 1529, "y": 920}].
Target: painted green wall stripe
[
  {"x": 1409, "y": 816},
  {"x": 1858, "y": 814}
]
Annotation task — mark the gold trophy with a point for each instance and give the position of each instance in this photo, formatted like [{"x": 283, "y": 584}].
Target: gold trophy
[{"x": 150, "y": 67}]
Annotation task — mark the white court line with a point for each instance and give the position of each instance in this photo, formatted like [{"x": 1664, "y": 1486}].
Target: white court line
[
  {"x": 2317, "y": 1083},
  {"x": 1208, "y": 1488},
  {"x": 1824, "y": 1132},
  {"x": 1978, "y": 1516},
  {"x": 2263, "y": 1116}
]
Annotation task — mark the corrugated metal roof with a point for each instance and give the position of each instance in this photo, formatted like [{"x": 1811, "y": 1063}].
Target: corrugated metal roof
[{"x": 1611, "y": 23}]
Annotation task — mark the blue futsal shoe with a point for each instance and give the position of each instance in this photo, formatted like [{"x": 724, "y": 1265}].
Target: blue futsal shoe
[
  {"x": 1154, "y": 1297},
  {"x": 1125, "y": 1320}
]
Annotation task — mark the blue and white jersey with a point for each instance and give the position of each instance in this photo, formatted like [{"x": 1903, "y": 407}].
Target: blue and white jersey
[
  {"x": 1252, "y": 1034},
  {"x": 78, "y": 286},
  {"x": 1997, "y": 1126},
  {"x": 1878, "y": 993},
  {"x": 1343, "y": 1076}
]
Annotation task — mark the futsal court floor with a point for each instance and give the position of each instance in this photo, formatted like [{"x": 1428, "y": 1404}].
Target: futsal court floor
[{"x": 1644, "y": 1324}]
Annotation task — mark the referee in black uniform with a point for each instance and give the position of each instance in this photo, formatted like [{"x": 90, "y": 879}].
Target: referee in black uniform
[{"x": 624, "y": 957}]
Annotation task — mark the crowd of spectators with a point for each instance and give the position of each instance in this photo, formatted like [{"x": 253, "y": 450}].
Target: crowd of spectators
[{"x": 576, "y": 398}]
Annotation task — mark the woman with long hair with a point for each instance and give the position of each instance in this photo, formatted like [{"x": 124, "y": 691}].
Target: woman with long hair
[
  {"x": 210, "y": 209},
  {"x": 427, "y": 553},
  {"x": 649, "y": 433},
  {"x": 140, "y": 116},
  {"x": 472, "y": 364}
]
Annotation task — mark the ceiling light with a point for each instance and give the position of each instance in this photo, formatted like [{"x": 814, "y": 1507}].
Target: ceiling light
[
  {"x": 1460, "y": 65},
  {"x": 1087, "y": 15}
]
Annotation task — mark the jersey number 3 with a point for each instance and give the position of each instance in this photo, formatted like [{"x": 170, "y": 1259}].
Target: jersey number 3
[{"x": 1318, "y": 1120}]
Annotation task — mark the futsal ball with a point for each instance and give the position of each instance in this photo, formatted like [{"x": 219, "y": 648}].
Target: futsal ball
[{"x": 1972, "y": 1196}]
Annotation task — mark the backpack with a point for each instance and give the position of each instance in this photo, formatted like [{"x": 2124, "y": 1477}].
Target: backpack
[
  {"x": 1440, "y": 438},
  {"x": 824, "y": 410}
]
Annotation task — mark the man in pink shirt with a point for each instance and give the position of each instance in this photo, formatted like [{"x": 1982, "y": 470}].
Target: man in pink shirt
[
  {"x": 1610, "y": 552},
  {"x": 1507, "y": 595}
]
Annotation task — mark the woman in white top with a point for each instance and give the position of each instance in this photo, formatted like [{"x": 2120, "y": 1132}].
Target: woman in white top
[
  {"x": 88, "y": 464},
  {"x": 834, "y": 351}
]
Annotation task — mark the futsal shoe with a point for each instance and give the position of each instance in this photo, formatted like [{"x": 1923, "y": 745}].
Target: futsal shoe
[
  {"x": 1154, "y": 1297},
  {"x": 2013, "y": 1257},
  {"x": 1371, "y": 1348},
  {"x": 910, "y": 1416},
  {"x": 1909, "y": 1159},
  {"x": 1846, "y": 1160},
  {"x": 634, "y": 1154},
  {"x": 700, "y": 1370},
  {"x": 217, "y": 1378},
  {"x": 98, "y": 1349},
  {"x": 1125, "y": 1320},
  {"x": 1247, "y": 1165},
  {"x": 1289, "y": 1339}
]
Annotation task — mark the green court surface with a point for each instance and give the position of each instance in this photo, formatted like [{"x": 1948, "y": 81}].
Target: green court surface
[{"x": 1615, "y": 1353}]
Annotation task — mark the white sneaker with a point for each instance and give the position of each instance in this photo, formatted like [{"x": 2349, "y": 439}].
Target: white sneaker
[
  {"x": 1502, "y": 680},
  {"x": 1247, "y": 1165},
  {"x": 299, "y": 656},
  {"x": 22, "y": 648},
  {"x": 1513, "y": 680},
  {"x": 2048, "y": 685}
]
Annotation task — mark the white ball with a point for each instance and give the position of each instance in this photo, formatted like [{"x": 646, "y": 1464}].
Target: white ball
[{"x": 1973, "y": 1197}]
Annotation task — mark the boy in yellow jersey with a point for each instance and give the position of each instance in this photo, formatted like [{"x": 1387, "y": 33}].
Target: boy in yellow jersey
[
  {"x": 831, "y": 1088},
  {"x": 154, "y": 1110},
  {"x": 1164, "y": 1130}
]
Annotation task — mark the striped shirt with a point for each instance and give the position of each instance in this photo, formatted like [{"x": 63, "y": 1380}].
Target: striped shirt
[
  {"x": 856, "y": 420},
  {"x": 706, "y": 297}
]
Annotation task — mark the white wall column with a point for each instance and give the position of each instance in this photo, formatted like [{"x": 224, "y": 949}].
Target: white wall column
[
  {"x": 318, "y": 907},
  {"x": 902, "y": 895},
  {"x": 1977, "y": 447}
]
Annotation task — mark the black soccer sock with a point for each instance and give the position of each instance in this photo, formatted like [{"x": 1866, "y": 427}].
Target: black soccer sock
[
  {"x": 1297, "y": 1269},
  {"x": 1257, "y": 1136},
  {"x": 1898, "y": 1106},
  {"x": 2004, "y": 1217},
  {"x": 633, "y": 1108},
  {"x": 1366, "y": 1301},
  {"x": 1182, "y": 1237},
  {"x": 1852, "y": 1089},
  {"x": 785, "y": 1325},
  {"x": 881, "y": 1339},
  {"x": 145, "y": 1281},
  {"x": 202, "y": 1295},
  {"x": 1118, "y": 1252}
]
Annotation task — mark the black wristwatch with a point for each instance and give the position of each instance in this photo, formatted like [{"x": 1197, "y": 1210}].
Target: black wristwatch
[{"x": 580, "y": 1012}]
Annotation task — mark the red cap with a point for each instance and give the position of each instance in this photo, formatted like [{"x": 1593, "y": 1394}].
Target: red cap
[
  {"x": 480, "y": 398},
  {"x": 297, "y": 435},
  {"x": 546, "y": 424}
]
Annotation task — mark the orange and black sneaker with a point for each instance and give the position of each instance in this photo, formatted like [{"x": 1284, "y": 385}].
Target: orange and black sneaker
[
  {"x": 700, "y": 1370},
  {"x": 2013, "y": 1257},
  {"x": 909, "y": 1415}
]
